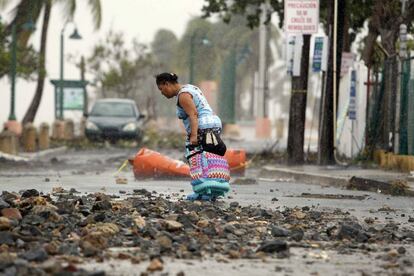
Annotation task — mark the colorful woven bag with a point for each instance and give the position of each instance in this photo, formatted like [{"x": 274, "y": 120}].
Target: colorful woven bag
[
  {"x": 209, "y": 173},
  {"x": 206, "y": 165}
]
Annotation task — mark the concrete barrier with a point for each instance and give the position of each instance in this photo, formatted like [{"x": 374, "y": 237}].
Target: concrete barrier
[
  {"x": 8, "y": 142},
  {"x": 29, "y": 137},
  {"x": 82, "y": 127},
  {"x": 69, "y": 129},
  {"x": 44, "y": 138},
  {"x": 58, "y": 130},
  {"x": 14, "y": 126}
]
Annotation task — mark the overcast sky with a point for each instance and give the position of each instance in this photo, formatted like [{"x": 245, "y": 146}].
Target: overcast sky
[{"x": 136, "y": 18}]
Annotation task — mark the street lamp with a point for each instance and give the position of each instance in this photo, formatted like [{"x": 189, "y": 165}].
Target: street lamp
[
  {"x": 28, "y": 26},
  {"x": 193, "y": 40},
  {"x": 228, "y": 82},
  {"x": 74, "y": 35}
]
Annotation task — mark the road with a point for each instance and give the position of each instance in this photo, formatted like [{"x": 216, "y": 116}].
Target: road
[{"x": 93, "y": 170}]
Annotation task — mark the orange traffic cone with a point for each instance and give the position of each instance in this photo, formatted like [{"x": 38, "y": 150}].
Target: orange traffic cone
[
  {"x": 149, "y": 163},
  {"x": 237, "y": 161}
]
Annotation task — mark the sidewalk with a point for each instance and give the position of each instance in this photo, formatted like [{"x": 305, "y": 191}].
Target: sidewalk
[{"x": 375, "y": 180}]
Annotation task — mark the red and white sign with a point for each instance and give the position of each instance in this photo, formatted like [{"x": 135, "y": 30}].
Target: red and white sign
[{"x": 301, "y": 16}]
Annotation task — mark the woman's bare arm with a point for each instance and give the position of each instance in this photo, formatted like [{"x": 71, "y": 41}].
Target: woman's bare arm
[{"x": 186, "y": 102}]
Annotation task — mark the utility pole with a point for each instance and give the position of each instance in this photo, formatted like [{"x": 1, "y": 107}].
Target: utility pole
[
  {"x": 262, "y": 122},
  {"x": 327, "y": 130}
]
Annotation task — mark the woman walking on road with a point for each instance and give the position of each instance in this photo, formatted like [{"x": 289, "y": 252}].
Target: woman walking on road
[{"x": 204, "y": 148}]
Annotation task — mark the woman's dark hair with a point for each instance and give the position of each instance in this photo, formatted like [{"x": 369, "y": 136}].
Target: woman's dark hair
[{"x": 166, "y": 77}]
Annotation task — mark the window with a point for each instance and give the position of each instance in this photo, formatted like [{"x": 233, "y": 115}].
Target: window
[{"x": 114, "y": 109}]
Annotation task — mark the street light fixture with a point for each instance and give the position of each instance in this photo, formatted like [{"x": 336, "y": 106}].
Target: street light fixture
[{"x": 74, "y": 35}]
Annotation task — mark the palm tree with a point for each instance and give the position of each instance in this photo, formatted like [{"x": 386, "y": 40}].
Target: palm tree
[{"x": 26, "y": 10}]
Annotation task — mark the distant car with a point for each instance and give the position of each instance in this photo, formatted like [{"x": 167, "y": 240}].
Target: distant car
[{"x": 114, "y": 119}]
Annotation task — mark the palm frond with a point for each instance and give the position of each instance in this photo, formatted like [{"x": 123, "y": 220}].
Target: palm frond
[
  {"x": 96, "y": 10},
  {"x": 68, "y": 9},
  {"x": 24, "y": 12},
  {"x": 4, "y": 4}
]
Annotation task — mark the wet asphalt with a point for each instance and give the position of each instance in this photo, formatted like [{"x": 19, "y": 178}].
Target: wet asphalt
[{"x": 95, "y": 170}]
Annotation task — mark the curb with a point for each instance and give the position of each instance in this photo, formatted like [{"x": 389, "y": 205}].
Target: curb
[
  {"x": 306, "y": 177},
  {"x": 27, "y": 157},
  {"x": 354, "y": 182},
  {"x": 364, "y": 184},
  {"x": 13, "y": 158}
]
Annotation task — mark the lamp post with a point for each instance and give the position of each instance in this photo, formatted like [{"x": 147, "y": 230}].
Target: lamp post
[
  {"x": 29, "y": 26},
  {"x": 193, "y": 40},
  {"x": 12, "y": 116},
  {"x": 228, "y": 82},
  {"x": 74, "y": 35}
]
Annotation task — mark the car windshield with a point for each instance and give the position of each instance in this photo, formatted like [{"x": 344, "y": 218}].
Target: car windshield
[{"x": 113, "y": 109}]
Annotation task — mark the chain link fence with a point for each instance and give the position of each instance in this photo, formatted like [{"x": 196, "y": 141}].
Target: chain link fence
[
  {"x": 407, "y": 108},
  {"x": 382, "y": 107}
]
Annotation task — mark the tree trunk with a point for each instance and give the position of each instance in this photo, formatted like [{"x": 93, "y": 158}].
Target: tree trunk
[
  {"x": 388, "y": 38},
  {"x": 34, "y": 105},
  {"x": 341, "y": 37},
  {"x": 297, "y": 113},
  {"x": 369, "y": 41}
]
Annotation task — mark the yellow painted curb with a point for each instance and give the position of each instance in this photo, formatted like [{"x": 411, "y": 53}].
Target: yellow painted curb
[{"x": 390, "y": 161}]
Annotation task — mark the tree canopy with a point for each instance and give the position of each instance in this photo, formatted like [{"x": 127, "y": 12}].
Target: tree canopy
[{"x": 125, "y": 70}]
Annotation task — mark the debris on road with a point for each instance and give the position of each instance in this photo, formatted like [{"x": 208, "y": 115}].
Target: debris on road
[
  {"x": 121, "y": 180},
  {"x": 57, "y": 232}
]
